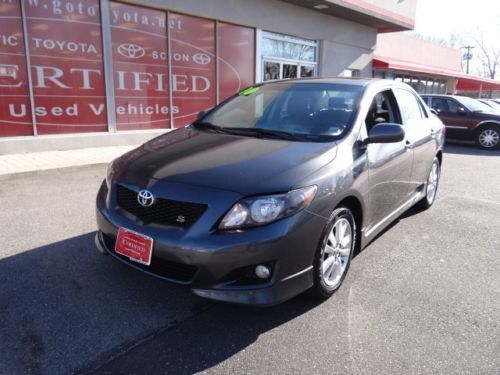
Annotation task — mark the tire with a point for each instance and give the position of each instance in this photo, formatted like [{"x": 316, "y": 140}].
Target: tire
[
  {"x": 431, "y": 186},
  {"x": 488, "y": 137},
  {"x": 341, "y": 228}
]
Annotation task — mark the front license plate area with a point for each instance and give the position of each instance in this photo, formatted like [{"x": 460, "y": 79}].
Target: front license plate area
[{"x": 135, "y": 246}]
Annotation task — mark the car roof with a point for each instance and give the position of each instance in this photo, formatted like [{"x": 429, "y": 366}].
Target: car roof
[
  {"x": 343, "y": 80},
  {"x": 444, "y": 96}
]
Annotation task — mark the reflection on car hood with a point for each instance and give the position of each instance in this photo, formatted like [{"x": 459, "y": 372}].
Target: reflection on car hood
[{"x": 245, "y": 165}]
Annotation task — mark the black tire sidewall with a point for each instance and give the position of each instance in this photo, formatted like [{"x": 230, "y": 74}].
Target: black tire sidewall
[{"x": 320, "y": 287}]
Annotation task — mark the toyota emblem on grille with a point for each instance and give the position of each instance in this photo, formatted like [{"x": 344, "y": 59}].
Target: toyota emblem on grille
[{"x": 145, "y": 198}]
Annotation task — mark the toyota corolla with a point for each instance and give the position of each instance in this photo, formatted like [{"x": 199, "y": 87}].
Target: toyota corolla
[{"x": 270, "y": 193}]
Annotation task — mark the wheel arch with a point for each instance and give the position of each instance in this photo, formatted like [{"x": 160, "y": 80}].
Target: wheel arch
[
  {"x": 356, "y": 207},
  {"x": 439, "y": 155},
  {"x": 482, "y": 124}
]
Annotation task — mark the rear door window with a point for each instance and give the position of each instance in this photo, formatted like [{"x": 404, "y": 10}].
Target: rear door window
[{"x": 409, "y": 105}]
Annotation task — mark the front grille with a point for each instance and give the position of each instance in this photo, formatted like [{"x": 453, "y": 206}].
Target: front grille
[
  {"x": 179, "y": 272},
  {"x": 163, "y": 211}
]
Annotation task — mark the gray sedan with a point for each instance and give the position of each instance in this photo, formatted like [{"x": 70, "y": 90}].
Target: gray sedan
[{"x": 270, "y": 193}]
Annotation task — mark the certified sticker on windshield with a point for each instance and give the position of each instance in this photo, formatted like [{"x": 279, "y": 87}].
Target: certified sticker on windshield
[{"x": 249, "y": 90}]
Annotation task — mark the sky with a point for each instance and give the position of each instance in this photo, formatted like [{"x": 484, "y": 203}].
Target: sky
[{"x": 464, "y": 18}]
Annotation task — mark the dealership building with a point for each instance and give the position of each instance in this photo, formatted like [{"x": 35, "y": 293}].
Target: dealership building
[{"x": 82, "y": 73}]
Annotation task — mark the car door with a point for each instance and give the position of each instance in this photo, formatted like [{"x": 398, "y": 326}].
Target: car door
[
  {"x": 420, "y": 136},
  {"x": 454, "y": 116},
  {"x": 389, "y": 164}
]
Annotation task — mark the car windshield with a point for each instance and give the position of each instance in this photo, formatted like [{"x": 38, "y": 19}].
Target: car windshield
[
  {"x": 493, "y": 105},
  {"x": 289, "y": 110},
  {"x": 473, "y": 105}
]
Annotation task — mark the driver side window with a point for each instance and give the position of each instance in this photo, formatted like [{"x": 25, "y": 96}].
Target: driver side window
[
  {"x": 382, "y": 109},
  {"x": 453, "y": 106}
]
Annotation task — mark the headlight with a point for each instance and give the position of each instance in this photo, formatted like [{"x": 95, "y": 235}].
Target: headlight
[{"x": 262, "y": 210}]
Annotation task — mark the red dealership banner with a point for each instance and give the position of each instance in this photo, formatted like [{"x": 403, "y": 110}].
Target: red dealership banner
[
  {"x": 193, "y": 66},
  {"x": 140, "y": 65},
  {"x": 15, "y": 109},
  {"x": 236, "y": 58},
  {"x": 67, "y": 65},
  {"x": 67, "y": 69}
]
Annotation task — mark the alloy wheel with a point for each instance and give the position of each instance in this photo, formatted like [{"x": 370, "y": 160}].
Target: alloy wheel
[
  {"x": 489, "y": 138},
  {"x": 432, "y": 182},
  {"x": 337, "y": 251}
]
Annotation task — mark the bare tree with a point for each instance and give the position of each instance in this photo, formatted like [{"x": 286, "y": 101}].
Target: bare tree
[{"x": 488, "y": 55}]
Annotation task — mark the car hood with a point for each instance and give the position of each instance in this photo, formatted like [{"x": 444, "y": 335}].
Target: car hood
[{"x": 245, "y": 165}]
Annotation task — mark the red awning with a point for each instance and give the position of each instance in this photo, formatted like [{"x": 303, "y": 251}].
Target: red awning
[
  {"x": 465, "y": 82},
  {"x": 477, "y": 84}
]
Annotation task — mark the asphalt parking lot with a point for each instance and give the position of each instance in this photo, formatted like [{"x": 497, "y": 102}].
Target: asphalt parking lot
[{"x": 424, "y": 298}]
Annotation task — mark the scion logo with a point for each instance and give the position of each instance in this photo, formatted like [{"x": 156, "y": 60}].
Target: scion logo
[
  {"x": 201, "y": 58},
  {"x": 145, "y": 198},
  {"x": 131, "y": 51}
]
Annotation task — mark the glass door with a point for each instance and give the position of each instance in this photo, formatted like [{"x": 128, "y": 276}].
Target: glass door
[
  {"x": 289, "y": 71},
  {"x": 283, "y": 70}
]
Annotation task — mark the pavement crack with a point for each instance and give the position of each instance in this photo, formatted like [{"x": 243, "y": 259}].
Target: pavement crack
[{"x": 120, "y": 350}]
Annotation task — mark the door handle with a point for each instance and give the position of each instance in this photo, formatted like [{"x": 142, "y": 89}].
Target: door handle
[{"x": 408, "y": 145}]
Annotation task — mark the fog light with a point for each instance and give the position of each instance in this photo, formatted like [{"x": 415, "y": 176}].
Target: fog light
[{"x": 262, "y": 272}]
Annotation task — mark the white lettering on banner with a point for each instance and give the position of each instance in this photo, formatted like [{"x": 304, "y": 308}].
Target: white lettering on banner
[
  {"x": 184, "y": 57},
  {"x": 68, "y": 7},
  {"x": 85, "y": 76},
  {"x": 50, "y": 76},
  {"x": 141, "y": 109},
  {"x": 42, "y": 75},
  {"x": 97, "y": 111},
  {"x": 50, "y": 73},
  {"x": 73, "y": 110},
  {"x": 181, "y": 82},
  {"x": 42, "y": 111},
  {"x": 12, "y": 110},
  {"x": 10, "y": 71},
  {"x": 157, "y": 55},
  {"x": 9, "y": 40},
  {"x": 63, "y": 45},
  {"x": 119, "y": 16}
]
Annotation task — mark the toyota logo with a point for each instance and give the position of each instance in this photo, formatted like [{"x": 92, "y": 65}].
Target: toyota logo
[
  {"x": 201, "y": 58},
  {"x": 131, "y": 51},
  {"x": 145, "y": 198}
]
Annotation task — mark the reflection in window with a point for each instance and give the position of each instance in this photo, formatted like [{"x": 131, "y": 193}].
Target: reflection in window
[
  {"x": 271, "y": 70},
  {"x": 306, "y": 71},
  {"x": 295, "y": 49},
  {"x": 289, "y": 71}
]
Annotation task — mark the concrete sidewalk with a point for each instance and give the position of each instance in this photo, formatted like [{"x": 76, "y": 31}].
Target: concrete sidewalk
[{"x": 39, "y": 161}]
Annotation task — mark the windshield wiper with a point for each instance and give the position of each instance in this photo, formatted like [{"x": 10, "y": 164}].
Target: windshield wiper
[
  {"x": 261, "y": 132},
  {"x": 208, "y": 125}
]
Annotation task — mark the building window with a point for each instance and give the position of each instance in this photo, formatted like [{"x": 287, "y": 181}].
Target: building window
[
  {"x": 352, "y": 73},
  {"x": 285, "y": 56}
]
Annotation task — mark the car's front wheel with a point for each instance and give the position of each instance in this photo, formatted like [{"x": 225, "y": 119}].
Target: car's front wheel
[
  {"x": 431, "y": 185},
  {"x": 488, "y": 137},
  {"x": 334, "y": 253}
]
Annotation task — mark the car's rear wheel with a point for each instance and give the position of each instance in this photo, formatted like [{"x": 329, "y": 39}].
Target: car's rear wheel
[
  {"x": 431, "y": 185},
  {"x": 488, "y": 137},
  {"x": 334, "y": 252}
]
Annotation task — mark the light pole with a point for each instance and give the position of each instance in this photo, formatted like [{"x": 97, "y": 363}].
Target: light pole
[{"x": 468, "y": 56}]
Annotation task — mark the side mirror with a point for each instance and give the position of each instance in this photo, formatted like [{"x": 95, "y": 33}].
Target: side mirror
[
  {"x": 200, "y": 115},
  {"x": 462, "y": 111},
  {"x": 386, "y": 133},
  {"x": 433, "y": 111}
]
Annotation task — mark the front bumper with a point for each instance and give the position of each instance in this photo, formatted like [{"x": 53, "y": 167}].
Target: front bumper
[{"x": 215, "y": 265}]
